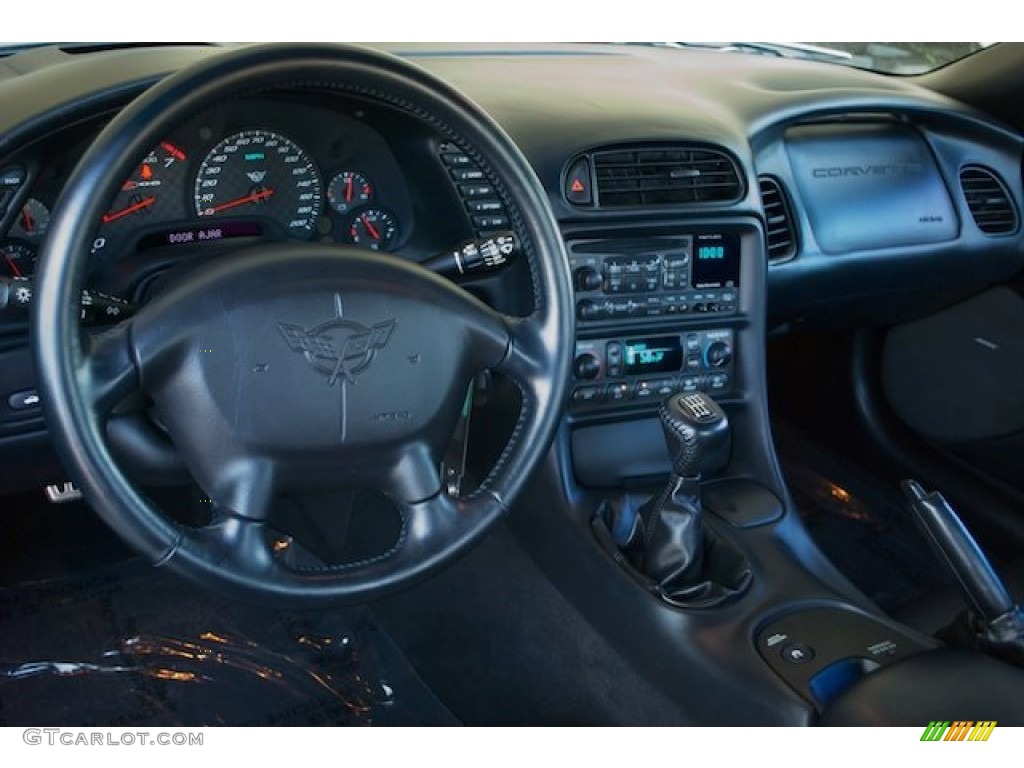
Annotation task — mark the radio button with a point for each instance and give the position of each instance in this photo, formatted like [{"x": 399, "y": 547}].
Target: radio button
[
  {"x": 692, "y": 342},
  {"x": 613, "y": 267},
  {"x": 588, "y": 279},
  {"x": 693, "y": 363}
]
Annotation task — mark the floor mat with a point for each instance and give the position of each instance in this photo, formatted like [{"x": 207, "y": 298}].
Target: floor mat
[
  {"x": 862, "y": 524},
  {"x": 131, "y": 645}
]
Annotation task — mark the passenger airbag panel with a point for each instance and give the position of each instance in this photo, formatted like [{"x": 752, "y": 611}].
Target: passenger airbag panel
[{"x": 869, "y": 186}]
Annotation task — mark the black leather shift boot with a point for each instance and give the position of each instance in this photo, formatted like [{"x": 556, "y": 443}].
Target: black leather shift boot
[
  {"x": 685, "y": 561},
  {"x": 672, "y": 550}
]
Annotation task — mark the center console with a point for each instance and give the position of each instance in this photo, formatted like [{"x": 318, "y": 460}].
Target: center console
[{"x": 679, "y": 310}]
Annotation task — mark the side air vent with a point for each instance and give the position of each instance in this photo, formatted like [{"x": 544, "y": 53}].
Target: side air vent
[
  {"x": 780, "y": 232},
  {"x": 989, "y": 202},
  {"x": 665, "y": 175}
]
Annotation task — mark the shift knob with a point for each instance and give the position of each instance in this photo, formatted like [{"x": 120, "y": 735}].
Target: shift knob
[{"x": 697, "y": 434}]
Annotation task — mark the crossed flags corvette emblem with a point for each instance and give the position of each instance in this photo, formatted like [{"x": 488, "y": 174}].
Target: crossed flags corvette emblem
[{"x": 338, "y": 348}]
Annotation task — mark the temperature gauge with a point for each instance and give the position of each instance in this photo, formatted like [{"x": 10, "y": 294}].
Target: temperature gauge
[
  {"x": 373, "y": 228},
  {"x": 348, "y": 190}
]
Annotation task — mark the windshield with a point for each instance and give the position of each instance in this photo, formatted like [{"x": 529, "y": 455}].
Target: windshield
[
  {"x": 902, "y": 58},
  {"x": 891, "y": 58}
]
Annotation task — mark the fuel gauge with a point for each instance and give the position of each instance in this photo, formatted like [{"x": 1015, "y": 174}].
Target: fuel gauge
[{"x": 17, "y": 259}]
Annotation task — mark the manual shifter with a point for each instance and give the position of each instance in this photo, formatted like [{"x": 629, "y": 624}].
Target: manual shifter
[
  {"x": 668, "y": 543},
  {"x": 698, "y": 438}
]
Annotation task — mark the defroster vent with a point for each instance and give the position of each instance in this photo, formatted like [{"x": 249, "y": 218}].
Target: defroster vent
[
  {"x": 988, "y": 200},
  {"x": 664, "y": 175},
  {"x": 780, "y": 233}
]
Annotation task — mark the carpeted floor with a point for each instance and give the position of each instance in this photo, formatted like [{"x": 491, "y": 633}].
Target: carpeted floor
[{"x": 90, "y": 636}]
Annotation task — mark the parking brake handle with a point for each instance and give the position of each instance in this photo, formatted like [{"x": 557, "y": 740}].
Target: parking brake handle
[{"x": 996, "y": 622}]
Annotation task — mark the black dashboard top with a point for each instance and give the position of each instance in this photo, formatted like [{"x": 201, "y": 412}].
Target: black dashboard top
[{"x": 557, "y": 101}]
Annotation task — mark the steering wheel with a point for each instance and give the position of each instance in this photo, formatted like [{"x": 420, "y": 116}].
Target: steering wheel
[{"x": 294, "y": 367}]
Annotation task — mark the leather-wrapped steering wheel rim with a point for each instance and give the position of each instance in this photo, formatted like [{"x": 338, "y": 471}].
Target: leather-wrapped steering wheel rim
[{"x": 81, "y": 377}]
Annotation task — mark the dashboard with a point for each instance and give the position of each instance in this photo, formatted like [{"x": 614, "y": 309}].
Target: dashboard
[{"x": 705, "y": 200}]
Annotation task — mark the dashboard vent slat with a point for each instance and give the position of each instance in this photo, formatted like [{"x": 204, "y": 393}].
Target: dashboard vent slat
[
  {"x": 780, "y": 232},
  {"x": 669, "y": 175},
  {"x": 988, "y": 200}
]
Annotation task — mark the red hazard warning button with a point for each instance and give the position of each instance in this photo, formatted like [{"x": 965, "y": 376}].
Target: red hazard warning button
[{"x": 577, "y": 183}]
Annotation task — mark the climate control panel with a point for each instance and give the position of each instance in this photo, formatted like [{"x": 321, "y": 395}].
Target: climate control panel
[{"x": 630, "y": 371}]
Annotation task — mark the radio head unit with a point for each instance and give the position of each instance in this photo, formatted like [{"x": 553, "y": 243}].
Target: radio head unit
[{"x": 651, "y": 278}]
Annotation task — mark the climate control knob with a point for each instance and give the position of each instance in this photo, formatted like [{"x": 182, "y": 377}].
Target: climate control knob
[
  {"x": 586, "y": 366},
  {"x": 718, "y": 354},
  {"x": 587, "y": 279}
]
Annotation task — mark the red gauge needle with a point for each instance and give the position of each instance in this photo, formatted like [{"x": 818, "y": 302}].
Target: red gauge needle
[
  {"x": 370, "y": 228},
  {"x": 115, "y": 215},
  {"x": 348, "y": 190},
  {"x": 13, "y": 265},
  {"x": 27, "y": 222},
  {"x": 255, "y": 197},
  {"x": 172, "y": 150}
]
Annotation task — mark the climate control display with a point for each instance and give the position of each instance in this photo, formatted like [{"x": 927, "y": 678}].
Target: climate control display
[{"x": 630, "y": 372}]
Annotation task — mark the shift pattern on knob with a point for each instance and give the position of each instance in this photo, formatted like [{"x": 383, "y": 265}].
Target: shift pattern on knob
[{"x": 696, "y": 432}]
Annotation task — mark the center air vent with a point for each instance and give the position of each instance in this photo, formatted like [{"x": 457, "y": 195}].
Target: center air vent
[
  {"x": 780, "y": 233},
  {"x": 664, "y": 175},
  {"x": 989, "y": 202}
]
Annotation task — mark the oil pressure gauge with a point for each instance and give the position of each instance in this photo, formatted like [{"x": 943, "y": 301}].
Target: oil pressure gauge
[{"x": 349, "y": 190}]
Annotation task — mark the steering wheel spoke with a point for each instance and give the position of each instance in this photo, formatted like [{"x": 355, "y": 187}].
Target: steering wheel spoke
[
  {"x": 107, "y": 373},
  {"x": 527, "y": 360}
]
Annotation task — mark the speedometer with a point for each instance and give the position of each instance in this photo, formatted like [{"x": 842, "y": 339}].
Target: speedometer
[{"x": 260, "y": 174}]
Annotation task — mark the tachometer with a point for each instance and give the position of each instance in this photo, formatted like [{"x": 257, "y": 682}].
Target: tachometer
[
  {"x": 141, "y": 192},
  {"x": 260, "y": 173}
]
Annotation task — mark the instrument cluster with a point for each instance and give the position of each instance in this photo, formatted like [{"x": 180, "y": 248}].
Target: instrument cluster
[{"x": 258, "y": 168}]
